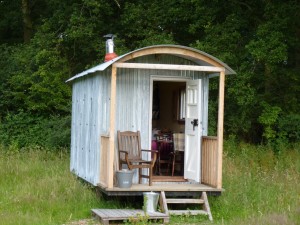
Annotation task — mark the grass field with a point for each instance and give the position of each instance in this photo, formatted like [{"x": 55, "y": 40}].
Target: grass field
[{"x": 36, "y": 187}]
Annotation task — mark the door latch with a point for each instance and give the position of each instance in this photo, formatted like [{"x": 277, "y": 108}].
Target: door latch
[{"x": 194, "y": 122}]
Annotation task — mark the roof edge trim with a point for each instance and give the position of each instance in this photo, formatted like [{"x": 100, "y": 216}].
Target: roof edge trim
[{"x": 159, "y": 49}]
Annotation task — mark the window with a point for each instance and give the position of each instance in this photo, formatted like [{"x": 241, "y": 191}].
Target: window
[
  {"x": 179, "y": 104},
  {"x": 182, "y": 104}
]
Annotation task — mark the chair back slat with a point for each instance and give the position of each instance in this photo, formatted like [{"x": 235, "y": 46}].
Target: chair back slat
[{"x": 130, "y": 142}]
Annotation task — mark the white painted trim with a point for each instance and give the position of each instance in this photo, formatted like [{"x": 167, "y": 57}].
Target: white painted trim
[
  {"x": 169, "y": 78},
  {"x": 150, "y": 114},
  {"x": 169, "y": 67},
  {"x": 160, "y": 78},
  {"x": 213, "y": 75}
]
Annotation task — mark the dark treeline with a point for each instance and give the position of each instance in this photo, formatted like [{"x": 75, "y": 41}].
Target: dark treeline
[{"x": 44, "y": 42}]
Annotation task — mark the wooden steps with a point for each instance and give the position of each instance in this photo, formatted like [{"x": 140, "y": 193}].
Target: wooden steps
[
  {"x": 184, "y": 200},
  {"x": 188, "y": 212},
  {"x": 203, "y": 202},
  {"x": 137, "y": 215}
]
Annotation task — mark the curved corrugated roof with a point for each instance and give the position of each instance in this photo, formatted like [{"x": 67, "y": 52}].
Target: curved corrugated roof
[{"x": 195, "y": 55}]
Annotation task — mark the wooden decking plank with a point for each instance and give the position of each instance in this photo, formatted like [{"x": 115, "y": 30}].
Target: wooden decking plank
[
  {"x": 184, "y": 201},
  {"x": 106, "y": 215},
  {"x": 127, "y": 214},
  {"x": 188, "y": 212},
  {"x": 168, "y": 187},
  {"x": 168, "y": 178}
]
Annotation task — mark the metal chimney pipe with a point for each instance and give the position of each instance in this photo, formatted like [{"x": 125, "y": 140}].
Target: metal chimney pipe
[{"x": 109, "y": 47}]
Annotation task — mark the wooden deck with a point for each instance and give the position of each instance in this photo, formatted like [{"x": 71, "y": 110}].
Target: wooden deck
[
  {"x": 171, "y": 188},
  {"x": 107, "y": 215}
]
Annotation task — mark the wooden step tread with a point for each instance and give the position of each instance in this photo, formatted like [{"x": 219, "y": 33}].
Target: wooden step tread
[
  {"x": 188, "y": 212},
  {"x": 184, "y": 201},
  {"x": 203, "y": 201}
]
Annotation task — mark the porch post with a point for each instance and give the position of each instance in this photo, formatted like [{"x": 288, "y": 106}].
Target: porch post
[
  {"x": 220, "y": 128},
  {"x": 110, "y": 160}
]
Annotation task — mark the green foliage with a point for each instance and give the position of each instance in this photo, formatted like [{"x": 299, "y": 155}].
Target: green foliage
[
  {"x": 10, "y": 20},
  {"x": 269, "y": 45},
  {"x": 289, "y": 128},
  {"x": 268, "y": 119},
  {"x": 34, "y": 81},
  {"x": 139, "y": 220},
  {"x": 258, "y": 39},
  {"x": 279, "y": 129},
  {"x": 24, "y": 129}
]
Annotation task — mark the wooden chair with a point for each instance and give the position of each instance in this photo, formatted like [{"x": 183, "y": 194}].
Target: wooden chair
[
  {"x": 130, "y": 153},
  {"x": 178, "y": 153},
  {"x": 165, "y": 148}
]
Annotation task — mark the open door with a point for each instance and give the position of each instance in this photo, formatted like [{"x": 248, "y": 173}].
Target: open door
[{"x": 193, "y": 129}]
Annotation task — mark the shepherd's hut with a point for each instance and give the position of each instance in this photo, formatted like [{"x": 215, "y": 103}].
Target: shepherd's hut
[{"x": 159, "y": 91}]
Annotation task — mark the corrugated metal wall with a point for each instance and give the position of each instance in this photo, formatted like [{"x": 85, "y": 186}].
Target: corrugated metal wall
[
  {"x": 90, "y": 109},
  {"x": 90, "y": 118},
  {"x": 133, "y": 95},
  {"x": 133, "y": 92}
]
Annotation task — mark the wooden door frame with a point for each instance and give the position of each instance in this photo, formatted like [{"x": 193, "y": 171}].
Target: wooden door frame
[{"x": 153, "y": 78}]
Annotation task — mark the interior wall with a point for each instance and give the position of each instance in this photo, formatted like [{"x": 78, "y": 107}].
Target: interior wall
[{"x": 166, "y": 107}]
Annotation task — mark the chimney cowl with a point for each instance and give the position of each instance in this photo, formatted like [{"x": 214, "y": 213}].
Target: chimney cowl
[{"x": 109, "y": 47}]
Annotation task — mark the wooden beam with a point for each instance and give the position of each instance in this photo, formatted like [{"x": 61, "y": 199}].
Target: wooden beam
[
  {"x": 170, "y": 50},
  {"x": 169, "y": 67},
  {"x": 110, "y": 167},
  {"x": 163, "y": 203},
  {"x": 220, "y": 129},
  {"x": 104, "y": 140}
]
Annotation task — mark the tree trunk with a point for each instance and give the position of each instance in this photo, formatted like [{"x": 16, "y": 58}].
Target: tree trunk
[
  {"x": 27, "y": 21},
  {"x": 268, "y": 82}
]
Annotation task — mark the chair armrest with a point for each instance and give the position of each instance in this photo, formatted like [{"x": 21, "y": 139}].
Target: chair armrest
[
  {"x": 123, "y": 151},
  {"x": 154, "y": 155},
  {"x": 126, "y": 156}
]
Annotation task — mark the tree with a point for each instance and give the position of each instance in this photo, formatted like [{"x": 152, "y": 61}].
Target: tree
[
  {"x": 258, "y": 39},
  {"x": 27, "y": 21}
]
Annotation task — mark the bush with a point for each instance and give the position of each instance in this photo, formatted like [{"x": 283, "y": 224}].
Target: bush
[
  {"x": 24, "y": 129},
  {"x": 289, "y": 127}
]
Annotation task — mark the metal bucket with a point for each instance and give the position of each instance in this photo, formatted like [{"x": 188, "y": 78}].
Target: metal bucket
[
  {"x": 150, "y": 201},
  {"x": 124, "y": 178}
]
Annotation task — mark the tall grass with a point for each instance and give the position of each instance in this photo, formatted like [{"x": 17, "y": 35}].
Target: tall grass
[
  {"x": 36, "y": 187},
  {"x": 261, "y": 187}
]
